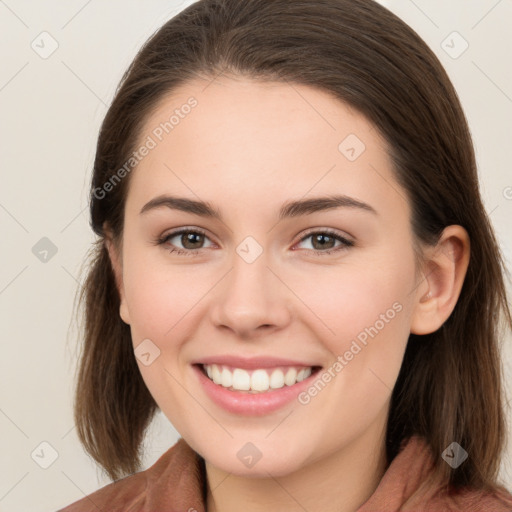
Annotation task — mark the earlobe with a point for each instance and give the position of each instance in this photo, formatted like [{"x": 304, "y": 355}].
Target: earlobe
[
  {"x": 117, "y": 267},
  {"x": 445, "y": 268}
]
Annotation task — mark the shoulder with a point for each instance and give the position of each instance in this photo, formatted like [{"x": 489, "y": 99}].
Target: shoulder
[
  {"x": 407, "y": 485},
  {"x": 130, "y": 493},
  {"x": 471, "y": 500},
  {"x": 124, "y": 494},
  {"x": 436, "y": 497}
]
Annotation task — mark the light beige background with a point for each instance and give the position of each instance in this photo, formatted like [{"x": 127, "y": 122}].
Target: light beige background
[{"x": 51, "y": 110}]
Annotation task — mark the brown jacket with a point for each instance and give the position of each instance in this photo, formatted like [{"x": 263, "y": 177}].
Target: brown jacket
[{"x": 176, "y": 483}]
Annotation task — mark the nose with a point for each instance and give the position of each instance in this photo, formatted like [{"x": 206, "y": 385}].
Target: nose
[{"x": 252, "y": 300}]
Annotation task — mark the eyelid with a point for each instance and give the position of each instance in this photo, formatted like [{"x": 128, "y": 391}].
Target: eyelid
[
  {"x": 162, "y": 239},
  {"x": 327, "y": 231}
]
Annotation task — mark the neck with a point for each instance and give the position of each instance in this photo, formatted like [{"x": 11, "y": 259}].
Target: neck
[{"x": 340, "y": 482}]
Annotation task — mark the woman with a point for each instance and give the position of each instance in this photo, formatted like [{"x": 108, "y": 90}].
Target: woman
[{"x": 294, "y": 264}]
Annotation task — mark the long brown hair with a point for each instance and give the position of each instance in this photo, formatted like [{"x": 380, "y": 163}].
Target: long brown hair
[{"x": 450, "y": 384}]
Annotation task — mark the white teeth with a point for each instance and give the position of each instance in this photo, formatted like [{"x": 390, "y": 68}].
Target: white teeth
[
  {"x": 226, "y": 378},
  {"x": 303, "y": 374},
  {"x": 258, "y": 380},
  {"x": 277, "y": 379},
  {"x": 216, "y": 376},
  {"x": 291, "y": 377},
  {"x": 241, "y": 380}
]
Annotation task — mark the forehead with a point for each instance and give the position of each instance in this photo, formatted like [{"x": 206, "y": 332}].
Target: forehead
[{"x": 243, "y": 140}]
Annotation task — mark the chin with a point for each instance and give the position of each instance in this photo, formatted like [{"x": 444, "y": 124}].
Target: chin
[{"x": 249, "y": 461}]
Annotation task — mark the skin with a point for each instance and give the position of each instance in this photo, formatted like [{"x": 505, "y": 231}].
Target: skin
[{"x": 247, "y": 148}]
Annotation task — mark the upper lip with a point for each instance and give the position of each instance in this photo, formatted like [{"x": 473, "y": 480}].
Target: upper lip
[{"x": 252, "y": 362}]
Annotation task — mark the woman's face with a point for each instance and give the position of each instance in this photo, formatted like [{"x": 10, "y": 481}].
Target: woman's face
[{"x": 296, "y": 257}]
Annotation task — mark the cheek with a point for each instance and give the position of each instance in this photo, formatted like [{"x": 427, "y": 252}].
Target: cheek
[
  {"x": 365, "y": 315},
  {"x": 359, "y": 302},
  {"x": 161, "y": 301},
  {"x": 339, "y": 304},
  {"x": 160, "y": 297}
]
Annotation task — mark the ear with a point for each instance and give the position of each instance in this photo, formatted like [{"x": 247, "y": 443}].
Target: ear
[
  {"x": 115, "y": 256},
  {"x": 443, "y": 276}
]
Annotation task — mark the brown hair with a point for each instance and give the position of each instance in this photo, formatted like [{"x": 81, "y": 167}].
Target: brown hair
[{"x": 449, "y": 386}]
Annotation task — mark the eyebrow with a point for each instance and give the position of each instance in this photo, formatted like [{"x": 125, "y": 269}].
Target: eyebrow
[{"x": 289, "y": 209}]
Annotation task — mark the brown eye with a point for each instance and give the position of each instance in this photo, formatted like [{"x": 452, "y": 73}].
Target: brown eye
[
  {"x": 324, "y": 242},
  {"x": 191, "y": 240}
]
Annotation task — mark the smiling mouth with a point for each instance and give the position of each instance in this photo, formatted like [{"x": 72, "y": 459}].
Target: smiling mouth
[{"x": 257, "y": 380}]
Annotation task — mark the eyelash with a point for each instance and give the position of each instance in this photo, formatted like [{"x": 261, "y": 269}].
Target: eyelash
[{"x": 196, "y": 252}]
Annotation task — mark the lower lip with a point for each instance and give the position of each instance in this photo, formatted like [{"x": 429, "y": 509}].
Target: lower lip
[{"x": 251, "y": 404}]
